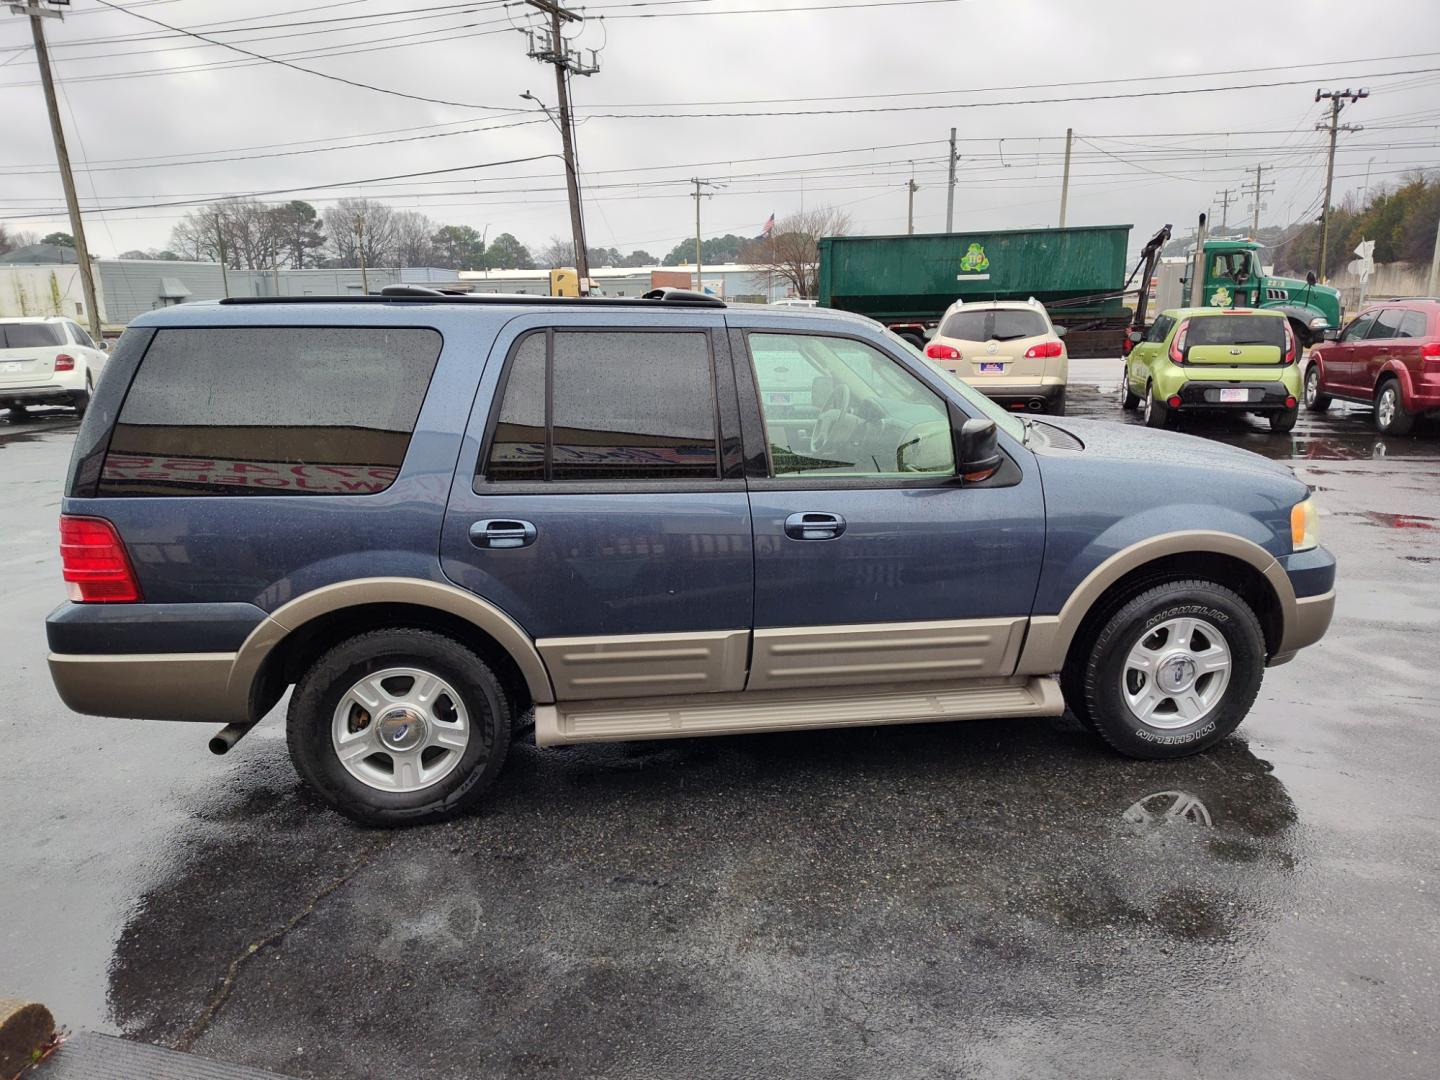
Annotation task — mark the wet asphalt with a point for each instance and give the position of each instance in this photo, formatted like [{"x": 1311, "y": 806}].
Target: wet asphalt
[{"x": 986, "y": 899}]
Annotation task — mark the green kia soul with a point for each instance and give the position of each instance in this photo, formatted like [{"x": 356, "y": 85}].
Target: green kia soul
[{"x": 1215, "y": 359}]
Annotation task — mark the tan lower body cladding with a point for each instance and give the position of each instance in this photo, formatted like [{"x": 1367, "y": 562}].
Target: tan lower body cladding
[{"x": 676, "y": 685}]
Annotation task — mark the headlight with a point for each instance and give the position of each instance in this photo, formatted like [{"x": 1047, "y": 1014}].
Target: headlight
[
  {"x": 1302, "y": 525},
  {"x": 1319, "y": 323}
]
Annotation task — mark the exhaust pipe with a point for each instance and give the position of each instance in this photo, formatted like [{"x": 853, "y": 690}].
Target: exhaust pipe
[
  {"x": 224, "y": 739},
  {"x": 1037, "y": 404}
]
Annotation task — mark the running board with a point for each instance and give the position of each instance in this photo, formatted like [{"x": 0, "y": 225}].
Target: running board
[{"x": 794, "y": 710}]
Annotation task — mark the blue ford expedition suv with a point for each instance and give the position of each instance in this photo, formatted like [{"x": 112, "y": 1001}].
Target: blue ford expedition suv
[{"x": 642, "y": 519}]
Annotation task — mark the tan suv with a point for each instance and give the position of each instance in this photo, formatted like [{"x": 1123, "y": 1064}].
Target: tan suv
[{"x": 1008, "y": 350}]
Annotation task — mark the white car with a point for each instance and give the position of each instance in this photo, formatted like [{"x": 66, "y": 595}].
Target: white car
[
  {"x": 48, "y": 361},
  {"x": 1008, "y": 350}
]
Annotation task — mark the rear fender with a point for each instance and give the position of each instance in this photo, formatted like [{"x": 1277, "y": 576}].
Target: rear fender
[{"x": 1398, "y": 369}]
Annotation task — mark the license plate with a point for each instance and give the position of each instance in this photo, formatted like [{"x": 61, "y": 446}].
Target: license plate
[
  {"x": 777, "y": 399},
  {"x": 1234, "y": 394},
  {"x": 12, "y": 365},
  {"x": 992, "y": 369}
]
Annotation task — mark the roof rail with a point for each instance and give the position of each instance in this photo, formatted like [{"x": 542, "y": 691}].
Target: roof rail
[
  {"x": 1391, "y": 300},
  {"x": 686, "y": 296},
  {"x": 420, "y": 294}
]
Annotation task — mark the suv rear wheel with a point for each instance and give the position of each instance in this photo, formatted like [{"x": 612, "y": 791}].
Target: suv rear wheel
[
  {"x": 1391, "y": 416},
  {"x": 1172, "y": 672},
  {"x": 397, "y": 727}
]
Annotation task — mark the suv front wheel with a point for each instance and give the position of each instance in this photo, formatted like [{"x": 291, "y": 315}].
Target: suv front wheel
[
  {"x": 397, "y": 727},
  {"x": 1173, "y": 671}
]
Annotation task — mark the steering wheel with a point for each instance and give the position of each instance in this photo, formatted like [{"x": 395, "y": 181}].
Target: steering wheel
[{"x": 835, "y": 408}]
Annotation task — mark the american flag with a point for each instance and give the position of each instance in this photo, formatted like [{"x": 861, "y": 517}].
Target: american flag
[{"x": 769, "y": 226}]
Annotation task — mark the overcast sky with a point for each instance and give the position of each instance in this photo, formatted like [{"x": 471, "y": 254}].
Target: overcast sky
[{"x": 1140, "y": 160}]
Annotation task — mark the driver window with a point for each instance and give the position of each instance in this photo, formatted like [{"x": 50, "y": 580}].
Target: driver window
[
  {"x": 1356, "y": 330},
  {"x": 837, "y": 407}
]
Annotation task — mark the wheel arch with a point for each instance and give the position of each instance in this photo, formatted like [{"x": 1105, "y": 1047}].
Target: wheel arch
[
  {"x": 1395, "y": 369},
  {"x": 1229, "y": 560},
  {"x": 300, "y": 630}
]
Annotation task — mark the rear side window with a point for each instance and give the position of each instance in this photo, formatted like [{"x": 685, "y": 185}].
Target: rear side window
[
  {"x": 1237, "y": 330},
  {"x": 1005, "y": 324},
  {"x": 1160, "y": 329},
  {"x": 18, "y": 335},
  {"x": 1413, "y": 325},
  {"x": 593, "y": 405},
  {"x": 270, "y": 411}
]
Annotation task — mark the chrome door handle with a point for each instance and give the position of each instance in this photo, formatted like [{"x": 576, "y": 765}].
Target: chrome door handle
[
  {"x": 814, "y": 526},
  {"x": 502, "y": 533}
]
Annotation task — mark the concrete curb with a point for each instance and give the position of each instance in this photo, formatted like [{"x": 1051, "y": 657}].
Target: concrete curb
[{"x": 26, "y": 1028}]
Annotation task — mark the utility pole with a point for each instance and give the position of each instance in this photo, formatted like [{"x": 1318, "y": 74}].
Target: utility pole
[
  {"x": 1065, "y": 182},
  {"x": 220, "y": 247},
  {"x": 950, "y": 195},
  {"x": 360, "y": 250},
  {"x": 1258, "y": 190},
  {"x": 37, "y": 13},
  {"x": 911, "y": 187},
  {"x": 1337, "y": 99},
  {"x": 1434, "y": 278},
  {"x": 697, "y": 196},
  {"x": 1225, "y": 202},
  {"x": 550, "y": 47}
]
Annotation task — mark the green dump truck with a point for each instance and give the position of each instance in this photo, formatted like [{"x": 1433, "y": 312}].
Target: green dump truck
[{"x": 907, "y": 282}]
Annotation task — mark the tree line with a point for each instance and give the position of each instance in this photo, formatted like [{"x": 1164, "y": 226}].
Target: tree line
[
  {"x": 247, "y": 234},
  {"x": 1401, "y": 220}
]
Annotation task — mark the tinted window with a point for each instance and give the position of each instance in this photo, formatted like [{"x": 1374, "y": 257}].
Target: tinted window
[
  {"x": 517, "y": 452},
  {"x": 1237, "y": 330},
  {"x": 1356, "y": 330},
  {"x": 622, "y": 406},
  {"x": 80, "y": 336},
  {"x": 17, "y": 335},
  {"x": 1006, "y": 324},
  {"x": 1388, "y": 324},
  {"x": 296, "y": 411},
  {"x": 872, "y": 417},
  {"x": 1160, "y": 329},
  {"x": 1413, "y": 325}
]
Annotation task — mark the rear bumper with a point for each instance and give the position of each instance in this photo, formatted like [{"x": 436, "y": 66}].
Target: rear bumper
[
  {"x": 1048, "y": 390},
  {"x": 151, "y": 686},
  {"x": 1262, "y": 396},
  {"x": 38, "y": 395}
]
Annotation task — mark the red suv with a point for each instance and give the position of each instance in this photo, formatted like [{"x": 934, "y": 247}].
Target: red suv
[{"x": 1388, "y": 356}]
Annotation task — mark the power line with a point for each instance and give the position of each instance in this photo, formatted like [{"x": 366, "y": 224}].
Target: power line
[{"x": 308, "y": 71}]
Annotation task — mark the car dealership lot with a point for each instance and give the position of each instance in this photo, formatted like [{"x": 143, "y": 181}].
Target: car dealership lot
[{"x": 986, "y": 898}]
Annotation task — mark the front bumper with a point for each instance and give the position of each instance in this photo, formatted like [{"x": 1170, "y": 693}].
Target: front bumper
[{"x": 1312, "y": 574}]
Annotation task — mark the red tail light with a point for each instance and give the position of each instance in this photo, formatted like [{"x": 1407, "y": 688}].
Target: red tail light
[
  {"x": 64, "y": 362},
  {"x": 1043, "y": 352},
  {"x": 942, "y": 352},
  {"x": 1177, "y": 344},
  {"x": 1125, "y": 346},
  {"x": 96, "y": 567},
  {"x": 1292, "y": 347},
  {"x": 1430, "y": 357}
]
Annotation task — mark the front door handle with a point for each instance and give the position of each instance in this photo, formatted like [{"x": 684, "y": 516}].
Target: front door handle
[
  {"x": 814, "y": 526},
  {"x": 502, "y": 533}
]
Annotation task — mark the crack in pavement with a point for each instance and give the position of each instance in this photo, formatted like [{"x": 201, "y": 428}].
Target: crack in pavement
[{"x": 222, "y": 993}]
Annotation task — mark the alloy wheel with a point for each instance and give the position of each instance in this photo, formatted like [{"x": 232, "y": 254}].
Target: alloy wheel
[{"x": 1176, "y": 672}]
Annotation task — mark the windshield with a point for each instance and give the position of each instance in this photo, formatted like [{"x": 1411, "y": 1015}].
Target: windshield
[
  {"x": 1003, "y": 324},
  {"x": 18, "y": 335},
  {"x": 1011, "y": 425}
]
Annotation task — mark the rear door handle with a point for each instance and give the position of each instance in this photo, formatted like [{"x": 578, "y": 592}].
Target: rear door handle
[
  {"x": 814, "y": 526},
  {"x": 502, "y": 533}
]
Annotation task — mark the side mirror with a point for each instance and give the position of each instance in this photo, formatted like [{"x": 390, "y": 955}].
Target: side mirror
[
  {"x": 1135, "y": 336},
  {"x": 1061, "y": 331},
  {"x": 977, "y": 450},
  {"x": 103, "y": 346},
  {"x": 1310, "y": 278},
  {"x": 1331, "y": 333}
]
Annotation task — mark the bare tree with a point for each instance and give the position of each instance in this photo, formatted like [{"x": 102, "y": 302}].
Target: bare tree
[
  {"x": 792, "y": 252},
  {"x": 351, "y": 219},
  {"x": 412, "y": 238},
  {"x": 13, "y": 241},
  {"x": 557, "y": 253}
]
